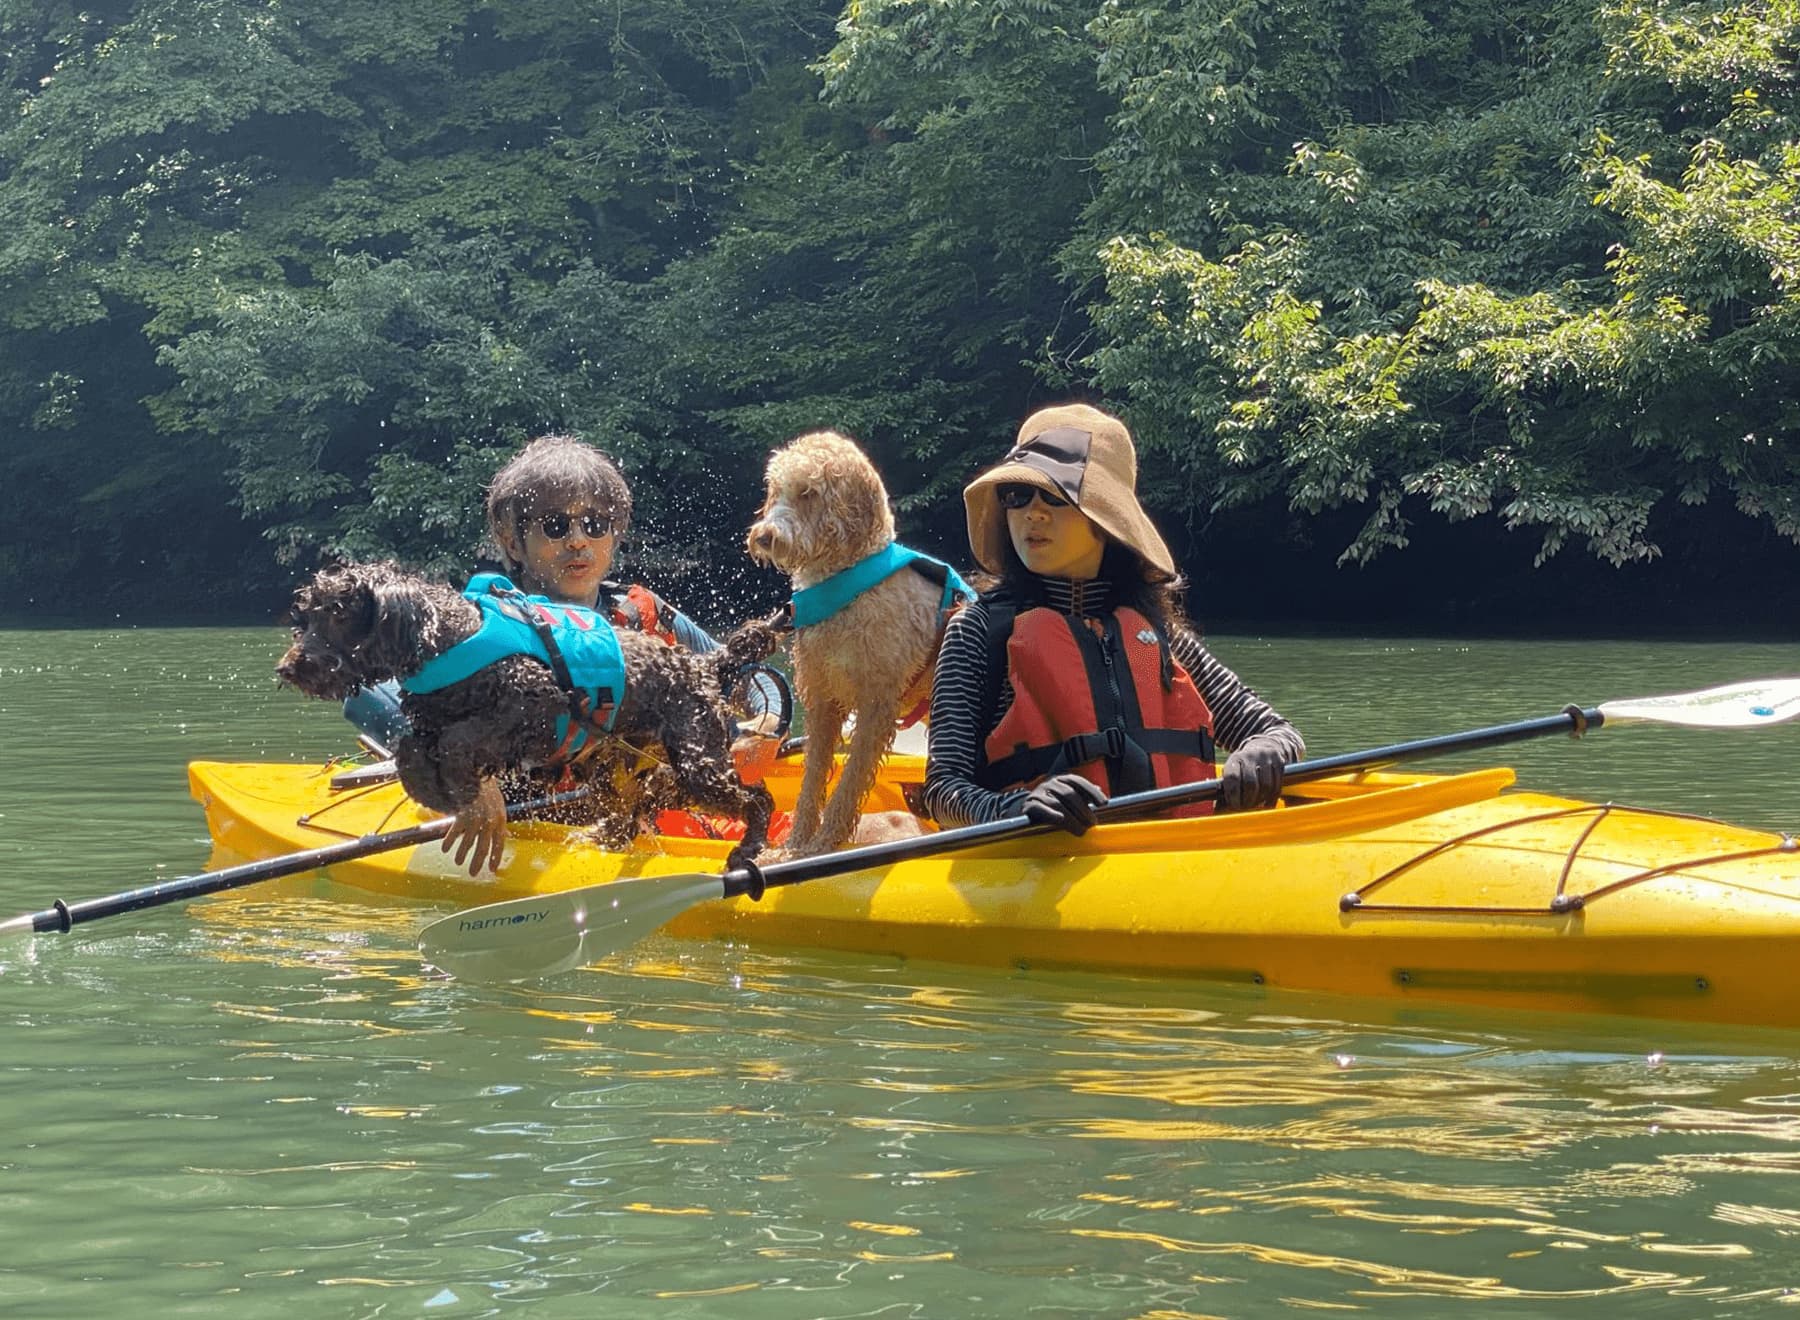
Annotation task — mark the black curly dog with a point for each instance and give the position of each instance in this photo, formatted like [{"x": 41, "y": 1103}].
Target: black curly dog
[{"x": 359, "y": 624}]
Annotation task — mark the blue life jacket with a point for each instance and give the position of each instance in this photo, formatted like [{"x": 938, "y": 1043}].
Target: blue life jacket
[
  {"x": 578, "y": 644},
  {"x": 820, "y": 601}
]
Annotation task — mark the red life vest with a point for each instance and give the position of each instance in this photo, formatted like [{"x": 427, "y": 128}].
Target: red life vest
[
  {"x": 1088, "y": 697},
  {"x": 636, "y": 607}
]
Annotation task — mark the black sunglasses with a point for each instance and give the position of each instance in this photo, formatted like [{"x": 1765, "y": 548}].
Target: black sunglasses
[
  {"x": 1017, "y": 494},
  {"x": 593, "y": 525}
]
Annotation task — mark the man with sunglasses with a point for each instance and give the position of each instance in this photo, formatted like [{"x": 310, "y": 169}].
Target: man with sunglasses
[{"x": 555, "y": 512}]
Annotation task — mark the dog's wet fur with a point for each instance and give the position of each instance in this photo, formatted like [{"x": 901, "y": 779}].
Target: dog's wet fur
[
  {"x": 355, "y": 625},
  {"x": 825, "y": 508}
]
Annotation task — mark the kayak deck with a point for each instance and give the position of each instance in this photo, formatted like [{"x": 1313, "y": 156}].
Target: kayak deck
[
  {"x": 1439, "y": 888},
  {"x": 258, "y": 810}
]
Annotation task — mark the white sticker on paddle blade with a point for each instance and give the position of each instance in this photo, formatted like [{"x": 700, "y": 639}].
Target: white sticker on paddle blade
[
  {"x": 1734, "y": 706},
  {"x": 532, "y": 937}
]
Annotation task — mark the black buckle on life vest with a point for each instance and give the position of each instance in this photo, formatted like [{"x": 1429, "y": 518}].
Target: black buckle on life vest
[
  {"x": 587, "y": 711},
  {"x": 601, "y": 712},
  {"x": 1106, "y": 745}
]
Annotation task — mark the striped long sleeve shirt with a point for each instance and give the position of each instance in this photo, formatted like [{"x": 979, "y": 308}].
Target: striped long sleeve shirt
[{"x": 959, "y": 725}]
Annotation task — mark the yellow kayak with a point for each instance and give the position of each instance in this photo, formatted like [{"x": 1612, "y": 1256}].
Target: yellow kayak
[{"x": 1435, "y": 888}]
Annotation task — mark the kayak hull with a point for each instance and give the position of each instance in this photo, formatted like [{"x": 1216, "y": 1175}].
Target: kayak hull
[{"x": 1435, "y": 889}]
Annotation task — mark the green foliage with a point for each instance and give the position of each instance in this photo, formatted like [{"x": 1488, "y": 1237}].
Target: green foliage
[
  {"x": 424, "y": 371},
  {"x": 892, "y": 269},
  {"x": 374, "y": 245},
  {"x": 329, "y": 264},
  {"x": 1479, "y": 310}
]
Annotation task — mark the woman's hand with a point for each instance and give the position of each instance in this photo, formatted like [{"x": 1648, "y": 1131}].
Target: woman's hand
[
  {"x": 479, "y": 832},
  {"x": 1252, "y": 774},
  {"x": 1066, "y": 801}
]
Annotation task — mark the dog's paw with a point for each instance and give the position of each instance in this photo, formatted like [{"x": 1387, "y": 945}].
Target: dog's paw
[
  {"x": 754, "y": 641},
  {"x": 611, "y": 833},
  {"x": 744, "y": 854}
]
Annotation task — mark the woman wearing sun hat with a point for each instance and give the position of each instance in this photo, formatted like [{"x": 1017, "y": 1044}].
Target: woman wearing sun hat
[{"x": 1076, "y": 673}]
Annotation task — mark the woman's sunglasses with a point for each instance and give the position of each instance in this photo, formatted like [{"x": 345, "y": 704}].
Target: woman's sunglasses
[
  {"x": 557, "y": 525},
  {"x": 1017, "y": 494}
]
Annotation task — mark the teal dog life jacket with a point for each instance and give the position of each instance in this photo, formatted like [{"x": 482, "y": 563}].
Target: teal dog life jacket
[
  {"x": 815, "y": 604},
  {"x": 578, "y": 644}
]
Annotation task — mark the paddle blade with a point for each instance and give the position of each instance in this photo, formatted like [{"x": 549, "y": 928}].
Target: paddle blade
[
  {"x": 1734, "y": 706},
  {"x": 525, "y": 938}
]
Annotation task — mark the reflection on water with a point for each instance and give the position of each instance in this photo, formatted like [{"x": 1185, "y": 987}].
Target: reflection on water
[{"x": 262, "y": 1103}]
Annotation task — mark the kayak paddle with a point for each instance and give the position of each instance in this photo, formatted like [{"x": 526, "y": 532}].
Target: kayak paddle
[
  {"x": 523, "y": 938},
  {"x": 60, "y": 916}
]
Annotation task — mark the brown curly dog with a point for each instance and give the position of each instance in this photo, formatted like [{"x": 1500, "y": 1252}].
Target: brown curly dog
[
  {"x": 826, "y": 509},
  {"x": 358, "y": 624}
]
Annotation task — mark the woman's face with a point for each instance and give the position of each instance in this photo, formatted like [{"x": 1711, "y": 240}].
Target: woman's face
[
  {"x": 566, "y": 552},
  {"x": 1052, "y": 539}
]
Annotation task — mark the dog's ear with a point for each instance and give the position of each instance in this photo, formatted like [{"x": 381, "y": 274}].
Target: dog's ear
[
  {"x": 400, "y": 614},
  {"x": 865, "y": 494},
  {"x": 867, "y": 504}
]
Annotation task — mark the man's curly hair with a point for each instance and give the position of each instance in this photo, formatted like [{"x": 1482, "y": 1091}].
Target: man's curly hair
[{"x": 552, "y": 473}]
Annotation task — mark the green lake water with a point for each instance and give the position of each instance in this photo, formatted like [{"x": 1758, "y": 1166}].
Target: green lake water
[{"x": 260, "y": 1105}]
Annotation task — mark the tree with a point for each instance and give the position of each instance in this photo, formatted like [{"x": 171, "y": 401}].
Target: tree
[
  {"x": 1564, "y": 309},
  {"x": 891, "y": 268},
  {"x": 234, "y": 181}
]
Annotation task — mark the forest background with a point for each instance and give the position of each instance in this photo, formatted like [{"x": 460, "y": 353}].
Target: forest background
[{"x": 1463, "y": 314}]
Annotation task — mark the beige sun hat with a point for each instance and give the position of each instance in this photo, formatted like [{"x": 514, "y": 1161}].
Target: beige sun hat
[{"x": 1084, "y": 456}]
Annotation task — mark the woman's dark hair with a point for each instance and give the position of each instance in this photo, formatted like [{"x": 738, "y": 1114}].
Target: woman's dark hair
[{"x": 552, "y": 473}]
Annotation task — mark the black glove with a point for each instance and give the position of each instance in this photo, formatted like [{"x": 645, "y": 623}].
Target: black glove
[
  {"x": 1252, "y": 774},
  {"x": 1065, "y": 801}
]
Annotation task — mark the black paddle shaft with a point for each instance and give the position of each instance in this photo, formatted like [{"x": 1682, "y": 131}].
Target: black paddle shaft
[
  {"x": 753, "y": 880},
  {"x": 60, "y": 917}
]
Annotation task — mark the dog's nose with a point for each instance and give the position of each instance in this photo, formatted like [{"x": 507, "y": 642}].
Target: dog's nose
[{"x": 761, "y": 537}]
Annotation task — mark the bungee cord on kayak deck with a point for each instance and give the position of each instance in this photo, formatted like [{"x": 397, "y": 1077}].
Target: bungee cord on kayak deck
[
  {"x": 61, "y": 916},
  {"x": 1560, "y": 901}
]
